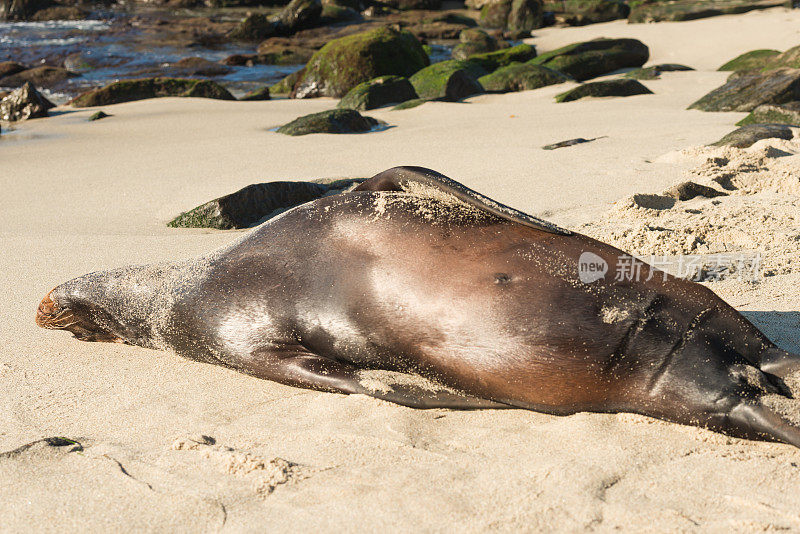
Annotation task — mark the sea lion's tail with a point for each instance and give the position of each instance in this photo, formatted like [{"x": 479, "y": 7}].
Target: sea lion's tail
[{"x": 399, "y": 178}]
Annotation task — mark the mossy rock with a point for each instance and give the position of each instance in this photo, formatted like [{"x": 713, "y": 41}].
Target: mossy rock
[
  {"x": 590, "y": 59},
  {"x": 333, "y": 14},
  {"x": 348, "y": 61},
  {"x": 618, "y": 87},
  {"x": 285, "y": 86},
  {"x": 379, "y": 92},
  {"x": 751, "y": 133},
  {"x": 746, "y": 90},
  {"x": 130, "y": 90},
  {"x": 98, "y": 115},
  {"x": 494, "y": 14},
  {"x": 249, "y": 205},
  {"x": 448, "y": 80},
  {"x": 755, "y": 59},
  {"x": 335, "y": 121},
  {"x": 784, "y": 114},
  {"x": 521, "y": 77},
  {"x": 581, "y": 12},
  {"x": 525, "y": 15},
  {"x": 409, "y": 104},
  {"x": 258, "y": 94},
  {"x": 493, "y": 60},
  {"x": 654, "y": 72},
  {"x": 693, "y": 10}
]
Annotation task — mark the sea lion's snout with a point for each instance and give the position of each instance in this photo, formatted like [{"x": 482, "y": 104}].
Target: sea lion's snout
[{"x": 46, "y": 312}]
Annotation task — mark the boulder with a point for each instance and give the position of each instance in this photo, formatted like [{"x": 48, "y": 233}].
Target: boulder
[
  {"x": 689, "y": 190},
  {"x": 195, "y": 66},
  {"x": 377, "y": 93},
  {"x": 618, "y": 87},
  {"x": 493, "y": 60},
  {"x": 335, "y": 121},
  {"x": 20, "y": 10},
  {"x": 346, "y": 62},
  {"x": 788, "y": 113},
  {"x": 494, "y": 14},
  {"x": 582, "y": 12},
  {"x": 271, "y": 54},
  {"x": 23, "y": 104},
  {"x": 130, "y": 90},
  {"x": 753, "y": 60},
  {"x": 654, "y": 72},
  {"x": 258, "y": 94},
  {"x": 521, "y": 77},
  {"x": 7, "y": 68},
  {"x": 747, "y": 135},
  {"x": 590, "y": 59},
  {"x": 448, "y": 80},
  {"x": 747, "y": 91},
  {"x": 59, "y": 13},
  {"x": 297, "y": 15},
  {"x": 332, "y": 14},
  {"x": 408, "y": 104},
  {"x": 659, "y": 11},
  {"x": 474, "y": 41},
  {"x": 407, "y": 5},
  {"x": 44, "y": 76},
  {"x": 286, "y": 85},
  {"x": 524, "y": 16},
  {"x": 253, "y": 204}
]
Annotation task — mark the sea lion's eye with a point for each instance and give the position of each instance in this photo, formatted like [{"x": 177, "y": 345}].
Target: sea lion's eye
[{"x": 501, "y": 278}]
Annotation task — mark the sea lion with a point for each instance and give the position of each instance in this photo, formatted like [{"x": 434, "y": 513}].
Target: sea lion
[{"x": 416, "y": 274}]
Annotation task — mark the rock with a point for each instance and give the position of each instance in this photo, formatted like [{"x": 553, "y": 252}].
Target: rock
[
  {"x": 39, "y": 76},
  {"x": 20, "y": 10},
  {"x": 332, "y": 14},
  {"x": 788, "y": 113},
  {"x": 525, "y": 15},
  {"x": 98, "y": 116},
  {"x": 377, "y": 93},
  {"x": 196, "y": 66},
  {"x": 130, "y": 90},
  {"x": 407, "y": 5},
  {"x": 335, "y": 121},
  {"x": 408, "y": 104},
  {"x": 747, "y": 135},
  {"x": 436, "y": 30},
  {"x": 23, "y": 104},
  {"x": 755, "y": 59},
  {"x": 296, "y": 16},
  {"x": 346, "y": 62},
  {"x": 249, "y": 205},
  {"x": 582, "y": 12},
  {"x": 258, "y": 94},
  {"x": 7, "y": 68},
  {"x": 474, "y": 41},
  {"x": 355, "y": 5},
  {"x": 618, "y": 87},
  {"x": 654, "y": 72},
  {"x": 493, "y": 60},
  {"x": 569, "y": 142},
  {"x": 745, "y": 92},
  {"x": 448, "y": 80},
  {"x": 657, "y": 11},
  {"x": 590, "y": 59},
  {"x": 59, "y": 13},
  {"x": 286, "y": 85},
  {"x": 521, "y": 77},
  {"x": 494, "y": 14},
  {"x": 271, "y": 54},
  {"x": 689, "y": 190}
]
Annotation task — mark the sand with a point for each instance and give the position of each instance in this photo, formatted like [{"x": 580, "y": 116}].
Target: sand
[{"x": 160, "y": 443}]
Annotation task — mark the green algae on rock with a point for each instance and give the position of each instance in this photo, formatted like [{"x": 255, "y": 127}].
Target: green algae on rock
[
  {"x": 788, "y": 113},
  {"x": 377, "y": 93},
  {"x": 521, "y": 77},
  {"x": 335, "y": 121},
  {"x": 749, "y": 134},
  {"x": 130, "y": 90},
  {"x": 590, "y": 59},
  {"x": 618, "y": 87},
  {"x": 490, "y": 61},
  {"x": 448, "y": 80},
  {"x": 348, "y": 61},
  {"x": 755, "y": 59},
  {"x": 746, "y": 90}
]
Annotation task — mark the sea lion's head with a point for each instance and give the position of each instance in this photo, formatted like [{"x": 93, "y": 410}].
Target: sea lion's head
[{"x": 110, "y": 306}]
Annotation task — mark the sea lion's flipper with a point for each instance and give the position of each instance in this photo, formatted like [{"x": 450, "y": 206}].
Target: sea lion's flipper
[
  {"x": 779, "y": 362},
  {"x": 751, "y": 419},
  {"x": 399, "y": 178},
  {"x": 293, "y": 365}
]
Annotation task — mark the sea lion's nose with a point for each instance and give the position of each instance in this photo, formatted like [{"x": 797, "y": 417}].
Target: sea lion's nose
[{"x": 46, "y": 311}]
